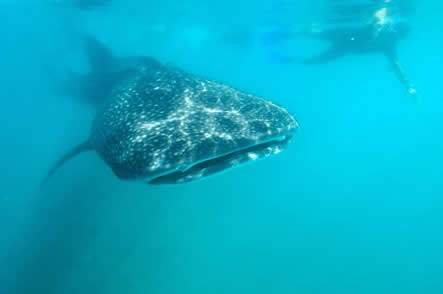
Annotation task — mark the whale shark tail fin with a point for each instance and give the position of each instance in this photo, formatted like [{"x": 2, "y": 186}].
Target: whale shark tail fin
[{"x": 83, "y": 147}]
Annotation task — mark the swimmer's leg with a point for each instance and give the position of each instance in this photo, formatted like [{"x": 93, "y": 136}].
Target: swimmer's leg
[{"x": 402, "y": 77}]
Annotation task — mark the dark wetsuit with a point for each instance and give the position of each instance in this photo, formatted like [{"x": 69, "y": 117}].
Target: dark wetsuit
[
  {"x": 371, "y": 38},
  {"x": 346, "y": 41}
]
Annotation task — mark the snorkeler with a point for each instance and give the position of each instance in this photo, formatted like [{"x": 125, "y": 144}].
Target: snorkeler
[
  {"x": 381, "y": 35},
  {"x": 362, "y": 41}
]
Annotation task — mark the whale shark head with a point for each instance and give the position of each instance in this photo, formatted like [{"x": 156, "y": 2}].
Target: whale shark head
[
  {"x": 165, "y": 126},
  {"x": 160, "y": 125}
]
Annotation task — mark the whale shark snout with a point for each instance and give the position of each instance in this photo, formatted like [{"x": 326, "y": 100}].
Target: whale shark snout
[{"x": 169, "y": 126}]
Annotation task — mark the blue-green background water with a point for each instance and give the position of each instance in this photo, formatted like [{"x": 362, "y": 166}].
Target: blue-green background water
[{"x": 354, "y": 205}]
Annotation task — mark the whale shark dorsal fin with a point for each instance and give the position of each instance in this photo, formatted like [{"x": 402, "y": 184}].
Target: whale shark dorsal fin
[
  {"x": 100, "y": 58},
  {"x": 104, "y": 73}
]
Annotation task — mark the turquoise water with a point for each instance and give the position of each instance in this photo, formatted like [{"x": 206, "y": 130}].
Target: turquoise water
[{"x": 352, "y": 206}]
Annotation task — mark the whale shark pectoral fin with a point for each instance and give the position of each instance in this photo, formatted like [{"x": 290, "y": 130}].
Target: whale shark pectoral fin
[{"x": 83, "y": 147}]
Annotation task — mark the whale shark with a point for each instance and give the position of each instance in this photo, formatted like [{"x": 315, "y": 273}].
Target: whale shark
[{"x": 159, "y": 124}]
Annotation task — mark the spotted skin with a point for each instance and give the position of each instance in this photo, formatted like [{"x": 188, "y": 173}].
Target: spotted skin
[{"x": 163, "y": 125}]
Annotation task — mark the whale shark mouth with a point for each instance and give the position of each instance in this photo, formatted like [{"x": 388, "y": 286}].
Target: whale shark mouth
[{"x": 224, "y": 162}]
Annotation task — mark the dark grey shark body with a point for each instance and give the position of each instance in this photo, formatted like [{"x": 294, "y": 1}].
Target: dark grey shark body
[{"x": 161, "y": 125}]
